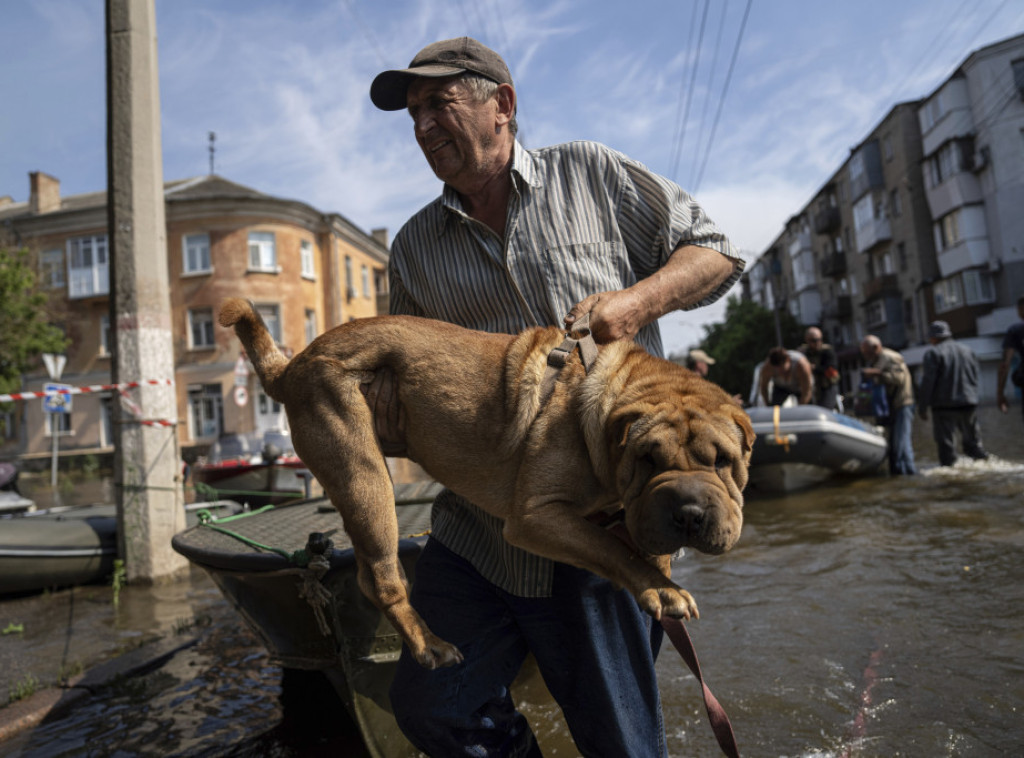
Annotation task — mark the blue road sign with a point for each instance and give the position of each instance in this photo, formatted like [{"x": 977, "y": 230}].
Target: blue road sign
[{"x": 56, "y": 403}]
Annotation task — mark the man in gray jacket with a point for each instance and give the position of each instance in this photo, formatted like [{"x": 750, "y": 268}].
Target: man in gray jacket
[{"x": 949, "y": 386}]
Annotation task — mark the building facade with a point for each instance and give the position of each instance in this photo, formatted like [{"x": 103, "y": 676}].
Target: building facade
[
  {"x": 305, "y": 270},
  {"x": 921, "y": 222}
]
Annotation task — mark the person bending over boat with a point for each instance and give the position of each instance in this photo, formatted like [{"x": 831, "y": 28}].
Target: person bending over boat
[{"x": 788, "y": 372}]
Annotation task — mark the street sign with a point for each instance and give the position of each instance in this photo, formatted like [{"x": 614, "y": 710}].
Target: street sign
[
  {"x": 241, "y": 396},
  {"x": 54, "y": 364},
  {"x": 56, "y": 403},
  {"x": 241, "y": 372}
]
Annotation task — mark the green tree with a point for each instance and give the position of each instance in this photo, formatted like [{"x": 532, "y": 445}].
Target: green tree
[
  {"x": 25, "y": 331},
  {"x": 743, "y": 340}
]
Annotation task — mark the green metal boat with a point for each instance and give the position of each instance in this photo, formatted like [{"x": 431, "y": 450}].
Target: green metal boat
[{"x": 299, "y": 596}]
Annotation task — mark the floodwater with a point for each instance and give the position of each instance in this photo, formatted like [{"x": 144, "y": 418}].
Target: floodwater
[{"x": 876, "y": 617}]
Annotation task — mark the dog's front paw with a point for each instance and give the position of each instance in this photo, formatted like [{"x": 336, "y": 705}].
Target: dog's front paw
[
  {"x": 672, "y": 601},
  {"x": 437, "y": 653}
]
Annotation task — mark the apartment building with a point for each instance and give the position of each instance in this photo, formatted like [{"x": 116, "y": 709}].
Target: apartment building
[
  {"x": 305, "y": 270},
  {"x": 921, "y": 222}
]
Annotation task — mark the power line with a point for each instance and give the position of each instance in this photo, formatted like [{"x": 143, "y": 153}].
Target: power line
[
  {"x": 711, "y": 79},
  {"x": 681, "y": 120},
  {"x": 725, "y": 90}
]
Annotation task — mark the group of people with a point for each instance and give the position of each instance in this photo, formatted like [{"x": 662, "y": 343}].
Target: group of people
[
  {"x": 810, "y": 374},
  {"x": 948, "y": 392}
]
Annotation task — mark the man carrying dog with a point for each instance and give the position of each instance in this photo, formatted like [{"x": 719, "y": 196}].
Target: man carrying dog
[{"x": 522, "y": 238}]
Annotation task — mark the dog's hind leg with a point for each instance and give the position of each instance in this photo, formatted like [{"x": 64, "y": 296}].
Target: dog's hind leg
[{"x": 333, "y": 434}]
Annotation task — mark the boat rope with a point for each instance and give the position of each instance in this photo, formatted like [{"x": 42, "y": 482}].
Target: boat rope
[
  {"x": 310, "y": 587},
  {"x": 780, "y": 439},
  {"x": 300, "y": 558}
]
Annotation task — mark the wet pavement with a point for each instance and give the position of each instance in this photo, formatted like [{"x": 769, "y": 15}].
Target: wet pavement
[{"x": 172, "y": 671}]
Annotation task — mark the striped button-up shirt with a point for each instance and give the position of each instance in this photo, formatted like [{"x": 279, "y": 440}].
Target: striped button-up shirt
[{"x": 582, "y": 219}]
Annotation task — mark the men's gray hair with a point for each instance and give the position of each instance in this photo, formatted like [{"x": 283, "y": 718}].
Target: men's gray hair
[{"x": 482, "y": 89}]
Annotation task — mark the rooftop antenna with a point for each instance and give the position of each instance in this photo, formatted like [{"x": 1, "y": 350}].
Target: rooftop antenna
[{"x": 213, "y": 139}]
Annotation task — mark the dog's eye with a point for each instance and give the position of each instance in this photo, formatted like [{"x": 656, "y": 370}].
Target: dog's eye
[{"x": 723, "y": 461}]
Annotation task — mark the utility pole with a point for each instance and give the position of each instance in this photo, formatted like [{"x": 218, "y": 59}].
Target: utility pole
[{"x": 147, "y": 463}]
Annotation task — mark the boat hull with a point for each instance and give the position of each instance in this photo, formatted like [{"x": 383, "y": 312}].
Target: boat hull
[
  {"x": 798, "y": 447},
  {"x": 348, "y": 638},
  {"x": 67, "y": 546}
]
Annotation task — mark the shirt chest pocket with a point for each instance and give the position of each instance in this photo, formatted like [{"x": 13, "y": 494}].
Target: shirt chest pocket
[{"x": 572, "y": 272}]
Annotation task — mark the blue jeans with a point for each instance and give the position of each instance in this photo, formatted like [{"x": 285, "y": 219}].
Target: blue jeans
[
  {"x": 594, "y": 646},
  {"x": 901, "y": 449}
]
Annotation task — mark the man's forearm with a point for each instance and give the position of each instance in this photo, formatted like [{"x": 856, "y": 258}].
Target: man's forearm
[{"x": 690, "y": 274}]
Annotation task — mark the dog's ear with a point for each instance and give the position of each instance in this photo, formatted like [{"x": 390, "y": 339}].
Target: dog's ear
[
  {"x": 635, "y": 464},
  {"x": 747, "y": 436}
]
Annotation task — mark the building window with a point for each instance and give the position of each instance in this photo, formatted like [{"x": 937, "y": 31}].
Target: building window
[
  {"x": 272, "y": 318},
  {"x": 306, "y": 259},
  {"x": 947, "y": 231},
  {"x": 196, "y": 253},
  {"x": 874, "y": 313},
  {"x": 105, "y": 334},
  {"x": 262, "y": 252},
  {"x": 200, "y": 328},
  {"x": 1018, "y": 75},
  {"x": 978, "y": 287},
  {"x": 896, "y": 203},
  {"x": 7, "y": 430},
  {"x": 205, "y": 411},
  {"x": 901, "y": 256},
  {"x": 908, "y": 312},
  {"x": 310, "y": 325},
  {"x": 955, "y": 157},
  {"x": 88, "y": 267},
  {"x": 864, "y": 212},
  {"x": 947, "y": 295},
  {"x": 51, "y": 269},
  {"x": 350, "y": 285},
  {"x": 62, "y": 421},
  {"x": 887, "y": 147},
  {"x": 366, "y": 281}
]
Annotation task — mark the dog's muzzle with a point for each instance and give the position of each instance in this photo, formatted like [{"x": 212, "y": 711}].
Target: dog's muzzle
[{"x": 680, "y": 509}]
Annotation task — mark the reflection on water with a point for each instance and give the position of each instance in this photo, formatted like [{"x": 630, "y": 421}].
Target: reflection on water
[{"x": 876, "y": 617}]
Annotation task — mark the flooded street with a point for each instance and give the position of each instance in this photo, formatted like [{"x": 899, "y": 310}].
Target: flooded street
[{"x": 878, "y": 617}]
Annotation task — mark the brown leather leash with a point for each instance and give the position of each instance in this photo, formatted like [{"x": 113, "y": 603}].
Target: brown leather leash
[{"x": 680, "y": 638}]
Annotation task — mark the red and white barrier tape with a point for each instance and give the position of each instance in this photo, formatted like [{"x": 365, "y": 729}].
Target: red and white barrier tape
[{"x": 84, "y": 390}]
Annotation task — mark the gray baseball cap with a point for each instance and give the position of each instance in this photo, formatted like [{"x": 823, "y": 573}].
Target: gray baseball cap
[{"x": 445, "y": 58}]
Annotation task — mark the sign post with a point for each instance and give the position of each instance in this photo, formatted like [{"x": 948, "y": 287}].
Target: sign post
[{"x": 54, "y": 404}]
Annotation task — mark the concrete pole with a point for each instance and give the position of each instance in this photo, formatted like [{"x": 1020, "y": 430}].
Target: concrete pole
[{"x": 147, "y": 462}]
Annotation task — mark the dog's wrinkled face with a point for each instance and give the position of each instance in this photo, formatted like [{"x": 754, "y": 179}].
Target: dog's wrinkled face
[{"x": 682, "y": 471}]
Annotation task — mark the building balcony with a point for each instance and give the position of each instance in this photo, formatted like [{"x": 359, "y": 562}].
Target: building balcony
[
  {"x": 886, "y": 284},
  {"x": 838, "y": 309},
  {"x": 874, "y": 232},
  {"x": 800, "y": 242},
  {"x": 965, "y": 254},
  {"x": 959, "y": 190},
  {"x": 827, "y": 221},
  {"x": 834, "y": 265}
]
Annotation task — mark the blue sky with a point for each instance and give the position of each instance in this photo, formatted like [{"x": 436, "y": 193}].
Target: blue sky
[{"x": 284, "y": 86}]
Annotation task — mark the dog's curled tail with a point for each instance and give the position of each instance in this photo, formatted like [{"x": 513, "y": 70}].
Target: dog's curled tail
[{"x": 259, "y": 346}]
